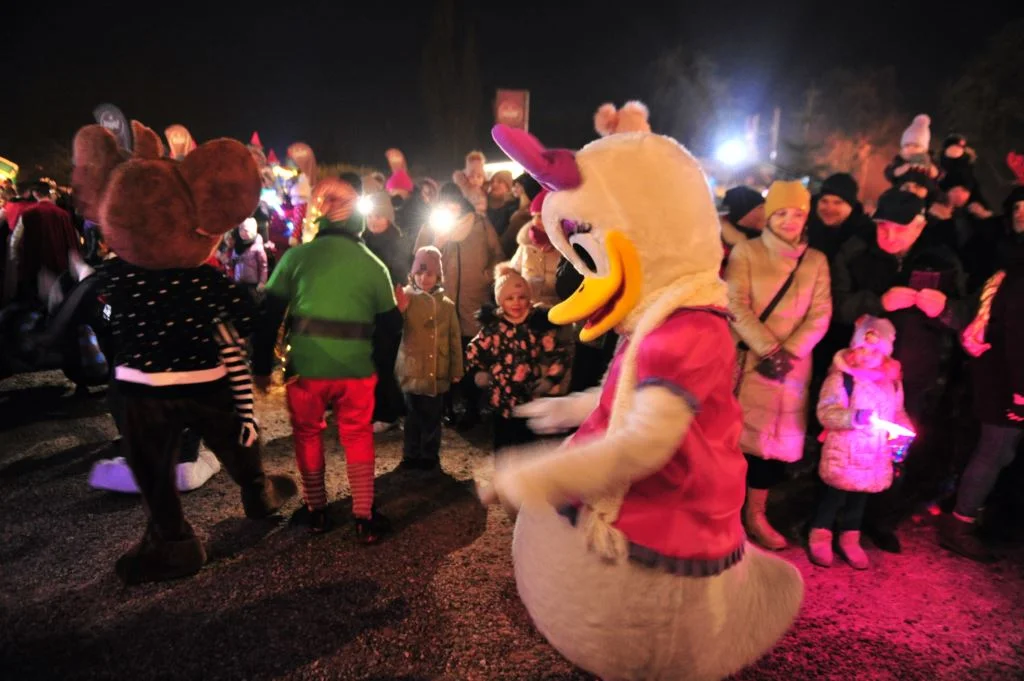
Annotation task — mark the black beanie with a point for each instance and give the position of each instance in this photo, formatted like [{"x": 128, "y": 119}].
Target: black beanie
[
  {"x": 842, "y": 185},
  {"x": 739, "y": 201},
  {"x": 898, "y": 206},
  {"x": 954, "y": 140},
  {"x": 529, "y": 185}
]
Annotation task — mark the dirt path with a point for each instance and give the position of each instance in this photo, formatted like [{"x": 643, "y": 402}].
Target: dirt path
[{"x": 437, "y": 601}]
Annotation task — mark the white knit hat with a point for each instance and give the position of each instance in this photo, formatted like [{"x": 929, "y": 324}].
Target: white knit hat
[
  {"x": 875, "y": 332},
  {"x": 507, "y": 280},
  {"x": 919, "y": 132}
]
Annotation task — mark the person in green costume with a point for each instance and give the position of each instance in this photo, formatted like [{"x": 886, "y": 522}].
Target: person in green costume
[{"x": 335, "y": 293}]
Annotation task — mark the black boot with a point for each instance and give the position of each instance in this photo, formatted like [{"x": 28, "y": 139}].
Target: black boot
[
  {"x": 370, "y": 530},
  {"x": 319, "y": 521},
  {"x": 266, "y": 498},
  {"x": 958, "y": 536},
  {"x": 157, "y": 560}
]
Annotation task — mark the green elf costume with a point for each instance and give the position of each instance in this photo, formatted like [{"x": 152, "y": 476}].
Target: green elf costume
[{"x": 335, "y": 292}]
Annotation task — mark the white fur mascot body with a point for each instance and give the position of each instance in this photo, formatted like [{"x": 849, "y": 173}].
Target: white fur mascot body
[{"x": 629, "y": 550}]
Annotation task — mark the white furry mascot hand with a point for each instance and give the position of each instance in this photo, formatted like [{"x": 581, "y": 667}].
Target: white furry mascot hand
[
  {"x": 551, "y": 415},
  {"x": 554, "y": 475}
]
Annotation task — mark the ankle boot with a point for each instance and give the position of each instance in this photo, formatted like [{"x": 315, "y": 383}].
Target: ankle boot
[
  {"x": 757, "y": 522},
  {"x": 849, "y": 544},
  {"x": 155, "y": 559},
  {"x": 958, "y": 536},
  {"x": 819, "y": 547}
]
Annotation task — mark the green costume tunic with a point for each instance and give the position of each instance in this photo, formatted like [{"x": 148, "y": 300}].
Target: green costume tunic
[{"x": 334, "y": 278}]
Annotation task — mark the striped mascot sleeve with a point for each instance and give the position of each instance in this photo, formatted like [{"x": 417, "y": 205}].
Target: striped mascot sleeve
[{"x": 235, "y": 360}]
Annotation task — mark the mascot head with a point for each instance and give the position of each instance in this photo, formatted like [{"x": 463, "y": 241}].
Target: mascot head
[
  {"x": 155, "y": 212},
  {"x": 633, "y": 212}
]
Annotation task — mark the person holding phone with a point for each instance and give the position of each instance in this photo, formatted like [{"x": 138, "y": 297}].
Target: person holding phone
[{"x": 918, "y": 285}]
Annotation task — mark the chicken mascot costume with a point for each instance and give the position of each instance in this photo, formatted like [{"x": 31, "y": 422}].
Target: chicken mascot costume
[{"x": 629, "y": 550}]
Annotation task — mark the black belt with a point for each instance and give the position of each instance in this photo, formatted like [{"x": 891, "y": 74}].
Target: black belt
[{"x": 329, "y": 328}]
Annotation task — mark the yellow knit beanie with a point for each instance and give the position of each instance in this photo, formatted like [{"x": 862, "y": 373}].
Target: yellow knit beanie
[{"x": 791, "y": 194}]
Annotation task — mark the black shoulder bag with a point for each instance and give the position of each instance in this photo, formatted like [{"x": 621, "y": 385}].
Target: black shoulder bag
[{"x": 742, "y": 348}]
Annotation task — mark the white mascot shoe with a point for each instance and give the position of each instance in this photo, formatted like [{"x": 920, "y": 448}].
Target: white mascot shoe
[
  {"x": 114, "y": 475},
  {"x": 629, "y": 549}
]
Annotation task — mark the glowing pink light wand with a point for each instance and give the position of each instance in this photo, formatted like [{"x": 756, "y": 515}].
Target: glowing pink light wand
[{"x": 893, "y": 429}]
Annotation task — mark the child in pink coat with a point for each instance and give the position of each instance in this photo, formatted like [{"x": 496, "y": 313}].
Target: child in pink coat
[{"x": 864, "y": 384}]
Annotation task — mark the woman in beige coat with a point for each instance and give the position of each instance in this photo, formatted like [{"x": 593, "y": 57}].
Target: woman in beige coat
[{"x": 776, "y": 370}]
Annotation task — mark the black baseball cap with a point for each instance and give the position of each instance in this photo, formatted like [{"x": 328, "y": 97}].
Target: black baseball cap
[{"x": 898, "y": 206}]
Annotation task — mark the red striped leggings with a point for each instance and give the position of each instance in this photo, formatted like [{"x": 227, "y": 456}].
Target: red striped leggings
[{"x": 352, "y": 402}]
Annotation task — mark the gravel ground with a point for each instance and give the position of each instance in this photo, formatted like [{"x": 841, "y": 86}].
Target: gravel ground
[{"x": 436, "y": 601}]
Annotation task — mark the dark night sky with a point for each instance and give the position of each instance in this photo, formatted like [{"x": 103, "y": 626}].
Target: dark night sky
[{"x": 344, "y": 76}]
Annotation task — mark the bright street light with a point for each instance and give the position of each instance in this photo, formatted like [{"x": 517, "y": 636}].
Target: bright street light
[{"x": 732, "y": 153}]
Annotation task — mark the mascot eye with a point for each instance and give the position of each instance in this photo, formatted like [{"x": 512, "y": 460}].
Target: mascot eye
[
  {"x": 591, "y": 252},
  {"x": 571, "y": 227}
]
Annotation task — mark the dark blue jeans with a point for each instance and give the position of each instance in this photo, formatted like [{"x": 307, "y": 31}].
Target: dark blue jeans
[
  {"x": 423, "y": 427},
  {"x": 995, "y": 451},
  {"x": 848, "y": 507}
]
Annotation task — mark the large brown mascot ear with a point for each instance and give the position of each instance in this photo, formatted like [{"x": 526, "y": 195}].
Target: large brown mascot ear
[
  {"x": 147, "y": 143},
  {"x": 148, "y": 217},
  {"x": 95, "y": 155},
  {"x": 160, "y": 214},
  {"x": 225, "y": 184}
]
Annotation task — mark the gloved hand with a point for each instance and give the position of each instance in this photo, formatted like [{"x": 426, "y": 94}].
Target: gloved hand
[
  {"x": 776, "y": 366},
  {"x": 931, "y": 302},
  {"x": 550, "y": 415},
  {"x": 482, "y": 379}
]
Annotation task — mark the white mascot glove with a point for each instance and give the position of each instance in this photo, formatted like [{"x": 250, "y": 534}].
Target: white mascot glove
[{"x": 551, "y": 415}]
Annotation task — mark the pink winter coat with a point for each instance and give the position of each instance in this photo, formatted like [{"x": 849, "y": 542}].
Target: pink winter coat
[{"x": 858, "y": 458}]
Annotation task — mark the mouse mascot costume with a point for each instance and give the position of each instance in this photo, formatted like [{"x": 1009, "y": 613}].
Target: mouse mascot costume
[
  {"x": 163, "y": 219},
  {"x": 629, "y": 550}
]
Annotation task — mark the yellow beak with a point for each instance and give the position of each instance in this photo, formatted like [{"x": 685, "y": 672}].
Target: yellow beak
[{"x": 604, "y": 301}]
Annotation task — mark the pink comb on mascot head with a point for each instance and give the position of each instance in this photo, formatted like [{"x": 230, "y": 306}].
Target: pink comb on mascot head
[{"x": 629, "y": 551}]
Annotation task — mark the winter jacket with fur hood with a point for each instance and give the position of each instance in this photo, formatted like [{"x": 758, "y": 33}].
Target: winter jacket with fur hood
[
  {"x": 430, "y": 357},
  {"x": 468, "y": 254},
  {"x": 857, "y": 458},
  {"x": 538, "y": 266},
  {"x": 775, "y": 412}
]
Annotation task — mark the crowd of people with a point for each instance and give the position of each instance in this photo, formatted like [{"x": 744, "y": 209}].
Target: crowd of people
[{"x": 865, "y": 342}]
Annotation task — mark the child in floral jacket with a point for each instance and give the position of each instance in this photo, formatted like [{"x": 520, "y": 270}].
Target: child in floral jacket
[
  {"x": 516, "y": 356},
  {"x": 857, "y": 458}
]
